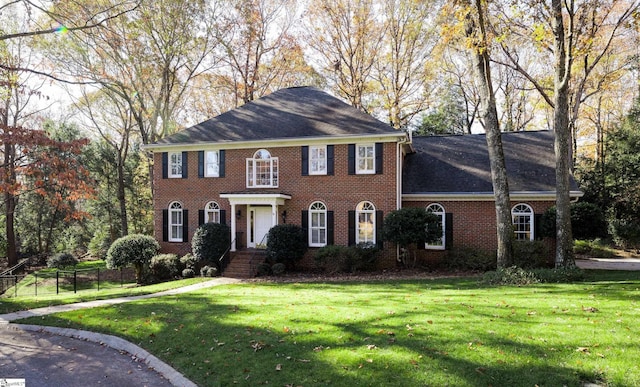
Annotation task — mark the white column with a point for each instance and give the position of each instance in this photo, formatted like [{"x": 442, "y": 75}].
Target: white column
[
  {"x": 233, "y": 227},
  {"x": 274, "y": 214}
]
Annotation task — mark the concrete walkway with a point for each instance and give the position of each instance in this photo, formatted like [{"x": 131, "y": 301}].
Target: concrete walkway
[
  {"x": 51, "y": 356},
  {"x": 609, "y": 263}
]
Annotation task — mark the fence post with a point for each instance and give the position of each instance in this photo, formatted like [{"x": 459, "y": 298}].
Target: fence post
[
  {"x": 75, "y": 280},
  {"x": 57, "y": 282}
]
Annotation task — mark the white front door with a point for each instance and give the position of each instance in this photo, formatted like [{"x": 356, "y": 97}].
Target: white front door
[{"x": 259, "y": 225}]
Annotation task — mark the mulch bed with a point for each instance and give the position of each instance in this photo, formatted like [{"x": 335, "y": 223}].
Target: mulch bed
[{"x": 384, "y": 275}]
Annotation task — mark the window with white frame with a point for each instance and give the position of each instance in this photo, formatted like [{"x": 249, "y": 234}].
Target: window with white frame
[
  {"x": 211, "y": 164},
  {"x": 438, "y": 210},
  {"x": 212, "y": 213},
  {"x": 175, "y": 164},
  {"x": 317, "y": 224},
  {"x": 365, "y": 223},
  {"x": 522, "y": 218},
  {"x": 262, "y": 170},
  {"x": 318, "y": 160},
  {"x": 175, "y": 222},
  {"x": 365, "y": 159}
]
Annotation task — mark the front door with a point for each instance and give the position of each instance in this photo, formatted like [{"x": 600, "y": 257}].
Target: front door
[{"x": 260, "y": 224}]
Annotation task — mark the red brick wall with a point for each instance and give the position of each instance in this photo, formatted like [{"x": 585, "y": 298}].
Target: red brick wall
[{"x": 340, "y": 192}]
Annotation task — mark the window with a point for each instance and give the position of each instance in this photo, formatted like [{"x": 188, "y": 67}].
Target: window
[
  {"x": 365, "y": 159},
  {"x": 211, "y": 164},
  {"x": 437, "y": 210},
  {"x": 262, "y": 170},
  {"x": 175, "y": 164},
  {"x": 522, "y": 218},
  {"x": 317, "y": 224},
  {"x": 175, "y": 222},
  {"x": 365, "y": 223},
  {"x": 212, "y": 213},
  {"x": 317, "y": 160}
]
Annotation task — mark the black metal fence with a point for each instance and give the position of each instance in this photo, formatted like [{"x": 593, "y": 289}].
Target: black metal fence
[{"x": 59, "y": 281}]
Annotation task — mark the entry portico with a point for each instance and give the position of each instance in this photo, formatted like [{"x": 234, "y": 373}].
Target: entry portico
[{"x": 261, "y": 210}]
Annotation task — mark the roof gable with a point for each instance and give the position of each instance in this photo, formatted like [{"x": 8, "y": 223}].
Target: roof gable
[
  {"x": 460, "y": 164},
  {"x": 291, "y": 113}
]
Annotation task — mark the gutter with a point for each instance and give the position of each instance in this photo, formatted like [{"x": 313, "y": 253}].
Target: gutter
[{"x": 486, "y": 196}]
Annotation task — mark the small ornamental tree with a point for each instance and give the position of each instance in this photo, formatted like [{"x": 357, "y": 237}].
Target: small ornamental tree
[
  {"x": 411, "y": 226},
  {"x": 134, "y": 249},
  {"x": 62, "y": 260},
  {"x": 286, "y": 243},
  {"x": 210, "y": 242}
]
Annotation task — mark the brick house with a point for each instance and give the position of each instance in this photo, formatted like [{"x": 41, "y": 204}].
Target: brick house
[{"x": 302, "y": 156}]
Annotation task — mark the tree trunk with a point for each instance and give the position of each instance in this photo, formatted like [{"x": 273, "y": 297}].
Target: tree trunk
[
  {"x": 562, "y": 143},
  {"x": 124, "y": 226},
  {"x": 10, "y": 204},
  {"x": 489, "y": 115}
]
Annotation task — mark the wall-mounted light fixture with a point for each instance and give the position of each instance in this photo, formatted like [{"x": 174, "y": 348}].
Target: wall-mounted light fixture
[
  {"x": 284, "y": 216},
  {"x": 238, "y": 214}
]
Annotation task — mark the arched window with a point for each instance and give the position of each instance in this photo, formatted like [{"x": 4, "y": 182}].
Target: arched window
[
  {"x": 438, "y": 210},
  {"x": 522, "y": 218},
  {"x": 262, "y": 170},
  {"x": 175, "y": 222},
  {"x": 366, "y": 223},
  {"x": 317, "y": 224},
  {"x": 212, "y": 213}
]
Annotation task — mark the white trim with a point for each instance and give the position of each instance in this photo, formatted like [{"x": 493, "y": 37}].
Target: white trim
[
  {"x": 206, "y": 163},
  {"x": 443, "y": 217},
  {"x": 280, "y": 143},
  {"x": 529, "y": 213},
  {"x": 372, "y": 216},
  {"x": 170, "y": 164},
  {"x": 310, "y": 227},
  {"x": 371, "y": 171},
  {"x": 311, "y": 159},
  {"x": 180, "y": 226},
  {"x": 485, "y": 196}
]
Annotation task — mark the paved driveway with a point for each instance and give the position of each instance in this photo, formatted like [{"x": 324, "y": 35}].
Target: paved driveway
[{"x": 609, "y": 263}]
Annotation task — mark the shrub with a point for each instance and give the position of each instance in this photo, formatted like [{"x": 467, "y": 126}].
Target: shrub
[
  {"x": 286, "y": 243},
  {"x": 263, "y": 269},
  {"x": 561, "y": 275},
  {"x": 278, "y": 268},
  {"x": 518, "y": 276},
  {"x": 593, "y": 248},
  {"x": 470, "y": 259},
  {"x": 343, "y": 259},
  {"x": 587, "y": 221},
  {"x": 134, "y": 249},
  {"x": 188, "y": 273},
  {"x": 530, "y": 254},
  {"x": 164, "y": 266},
  {"x": 62, "y": 260},
  {"x": 411, "y": 225},
  {"x": 210, "y": 241},
  {"x": 208, "y": 271},
  {"x": 625, "y": 233},
  {"x": 188, "y": 261}
]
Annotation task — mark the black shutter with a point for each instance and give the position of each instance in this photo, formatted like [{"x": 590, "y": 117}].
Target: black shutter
[
  {"x": 330, "y": 158},
  {"x": 351, "y": 157},
  {"x": 330, "y": 228},
  {"x": 448, "y": 231},
  {"x": 223, "y": 216},
  {"x": 200, "y": 217},
  {"x": 185, "y": 165},
  {"x": 165, "y": 224},
  {"x": 379, "y": 158},
  {"x": 305, "y": 225},
  {"x": 379, "y": 223},
  {"x": 165, "y": 165},
  {"x": 537, "y": 230},
  {"x": 305, "y": 161},
  {"x": 352, "y": 228},
  {"x": 185, "y": 225},
  {"x": 221, "y": 163},
  {"x": 200, "y": 163}
]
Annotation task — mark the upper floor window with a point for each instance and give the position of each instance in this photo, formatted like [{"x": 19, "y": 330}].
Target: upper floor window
[
  {"x": 438, "y": 210},
  {"x": 262, "y": 170},
  {"x": 211, "y": 164},
  {"x": 365, "y": 158},
  {"x": 175, "y": 164},
  {"x": 317, "y": 160},
  {"x": 365, "y": 223},
  {"x": 317, "y": 224},
  {"x": 212, "y": 213},
  {"x": 175, "y": 222},
  {"x": 522, "y": 218}
]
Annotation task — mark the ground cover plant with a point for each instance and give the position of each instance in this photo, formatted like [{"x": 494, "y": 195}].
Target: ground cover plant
[{"x": 428, "y": 332}]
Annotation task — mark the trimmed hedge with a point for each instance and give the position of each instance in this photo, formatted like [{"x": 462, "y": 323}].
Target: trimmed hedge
[
  {"x": 134, "y": 249},
  {"x": 210, "y": 241},
  {"x": 286, "y": 243}
]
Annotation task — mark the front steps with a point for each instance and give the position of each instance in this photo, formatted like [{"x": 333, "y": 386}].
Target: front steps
[{"x": 241, "y": 266}]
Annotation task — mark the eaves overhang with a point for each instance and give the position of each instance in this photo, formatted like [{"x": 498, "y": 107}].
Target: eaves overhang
[
  {"x": 486, "y": 196},
  {"x": 277, "y": 142}
]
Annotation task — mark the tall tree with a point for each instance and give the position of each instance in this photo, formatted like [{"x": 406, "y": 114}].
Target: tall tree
[{"x": 478, "y": 42}]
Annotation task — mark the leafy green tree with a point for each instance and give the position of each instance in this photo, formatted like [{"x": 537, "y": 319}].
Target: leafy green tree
[
  {"x": 210, "y": 241},
  {"x": 133, "y": 249},
  {"x": 411, "y": 226}
]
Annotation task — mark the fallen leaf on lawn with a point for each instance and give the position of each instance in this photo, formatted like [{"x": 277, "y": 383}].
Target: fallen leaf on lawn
[
  {"x": 278, "y": 367},
  {"x": 371, "y": 346},
  {"x": 583, "y": 349},
  {"x": 589, "y": 309}
]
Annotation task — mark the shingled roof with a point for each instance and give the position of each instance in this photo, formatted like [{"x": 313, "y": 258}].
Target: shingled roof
[
  {"x": 460, "y": 164},
  {"x": 296, "y": 112}
]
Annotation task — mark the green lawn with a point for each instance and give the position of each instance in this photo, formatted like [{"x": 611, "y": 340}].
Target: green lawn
[{"x": 393, "y": 333}]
